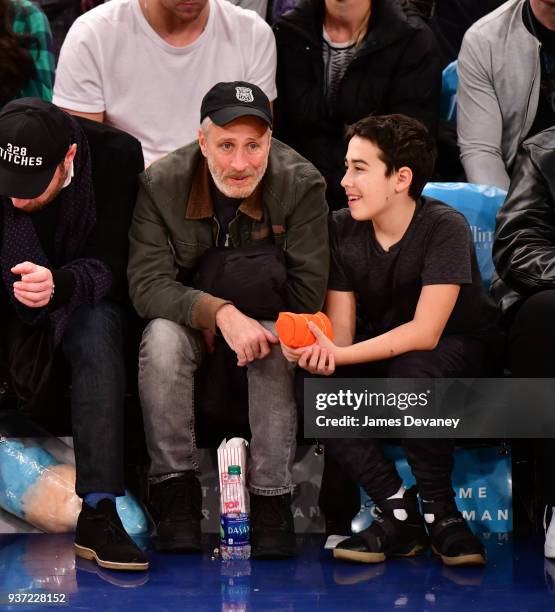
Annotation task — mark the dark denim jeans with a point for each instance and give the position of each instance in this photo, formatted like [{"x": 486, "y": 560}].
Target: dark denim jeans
[{"x": 92, "y": 344}]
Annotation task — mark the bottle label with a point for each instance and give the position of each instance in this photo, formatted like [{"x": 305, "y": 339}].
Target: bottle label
[{"x": 234, "y": 530}]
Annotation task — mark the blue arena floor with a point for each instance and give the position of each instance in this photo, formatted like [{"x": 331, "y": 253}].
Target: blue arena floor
[{"x": 516, "y": 578}]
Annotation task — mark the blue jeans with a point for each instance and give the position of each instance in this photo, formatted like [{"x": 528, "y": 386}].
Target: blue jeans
[
  {"x": 169, "y": 357},
  {"x": 92, "y": 344}
]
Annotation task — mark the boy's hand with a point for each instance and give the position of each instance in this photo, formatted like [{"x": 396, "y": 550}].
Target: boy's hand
[{"x": 319, "y": 361}]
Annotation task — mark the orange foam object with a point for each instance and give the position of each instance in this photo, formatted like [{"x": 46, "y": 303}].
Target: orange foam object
[{"x": 293, "y": 330}]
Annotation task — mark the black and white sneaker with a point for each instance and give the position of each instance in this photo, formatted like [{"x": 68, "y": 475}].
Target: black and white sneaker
[
  {"x": 100, "y": 537},
  {"x": 451, "y": 536},
  {"x": 388, "y": 536}
]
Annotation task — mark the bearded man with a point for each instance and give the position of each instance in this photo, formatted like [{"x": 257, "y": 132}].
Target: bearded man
[{"x": 238, "y": 188}]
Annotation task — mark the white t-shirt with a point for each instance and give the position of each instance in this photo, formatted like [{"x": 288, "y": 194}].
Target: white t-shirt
[{"x": 113, "y": 61}]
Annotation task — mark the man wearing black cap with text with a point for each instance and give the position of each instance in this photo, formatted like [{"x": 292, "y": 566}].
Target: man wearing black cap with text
[
  {"x": 56, "y": 290},
  {"x": 237, "y": 188}
]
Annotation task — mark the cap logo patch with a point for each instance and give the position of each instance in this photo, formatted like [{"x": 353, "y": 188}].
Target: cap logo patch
[
  {"x": 18, "y": 156},
  {"x": 244, "y": 94}
]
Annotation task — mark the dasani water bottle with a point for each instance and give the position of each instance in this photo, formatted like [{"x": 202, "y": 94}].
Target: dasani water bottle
[{"x": 234, "y": 522}]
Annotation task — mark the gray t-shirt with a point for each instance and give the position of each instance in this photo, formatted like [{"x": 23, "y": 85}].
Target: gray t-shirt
[{"x": 436, "y": 249}]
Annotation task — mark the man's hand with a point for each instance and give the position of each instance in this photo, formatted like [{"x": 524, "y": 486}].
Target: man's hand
[
  {"x": 294, "y": 354},
  {"x": 246, "y": 336},
  {"x": 36, "y": 284}
]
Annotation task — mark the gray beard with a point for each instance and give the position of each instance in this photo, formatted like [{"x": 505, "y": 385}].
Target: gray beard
[{"x": 234, "y": 192}]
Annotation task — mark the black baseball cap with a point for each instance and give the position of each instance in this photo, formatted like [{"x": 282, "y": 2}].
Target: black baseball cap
[
  {"x": 228, "y": 101},
  {"x": 34, "y": 138}
]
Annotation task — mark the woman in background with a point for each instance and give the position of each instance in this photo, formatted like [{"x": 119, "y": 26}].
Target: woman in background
[
  {"x": 341, "y": 60},
  {"x": 26, "y": 52}
]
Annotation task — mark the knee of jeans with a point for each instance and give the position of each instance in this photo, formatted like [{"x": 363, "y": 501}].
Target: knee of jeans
[
  {"x": 93, "y": 328},
  {"x": 269, "y": 325},
  {"x": 165, "y": 342},
  {"x": 276, "y": 361}
]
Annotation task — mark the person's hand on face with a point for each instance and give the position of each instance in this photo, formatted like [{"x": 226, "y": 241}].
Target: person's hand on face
[
  {"x": 245, "y": 336},
  {"x": 35, "y": 287}
]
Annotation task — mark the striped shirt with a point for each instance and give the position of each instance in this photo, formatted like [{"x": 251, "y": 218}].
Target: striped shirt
[
  {"x": 337, "y": 57},
  {"x": 29, "y": 19}
]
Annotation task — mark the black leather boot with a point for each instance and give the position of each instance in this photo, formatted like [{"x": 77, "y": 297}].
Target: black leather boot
[
  {"x": 272, "y": 527},
  {"x": 175, "y": 505}
]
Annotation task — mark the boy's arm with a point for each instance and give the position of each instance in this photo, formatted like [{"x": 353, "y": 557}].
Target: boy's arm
[
  {"x": 340, "y": 307},
  {"x": 435, "y": 304}
]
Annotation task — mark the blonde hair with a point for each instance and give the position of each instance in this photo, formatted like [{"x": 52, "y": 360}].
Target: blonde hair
[{"x": 362, "y": 29}]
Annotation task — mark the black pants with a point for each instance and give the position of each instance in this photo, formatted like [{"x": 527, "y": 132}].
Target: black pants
[
  {"x": 92, "y": 344},
  {"x": 431, "y": 461},
  {"x": 531, "y": 354}
]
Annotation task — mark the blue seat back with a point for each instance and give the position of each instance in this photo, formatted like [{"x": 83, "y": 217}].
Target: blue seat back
[
  {"x": 479, "y": 204},
  {"x": 448, "y": 100}
]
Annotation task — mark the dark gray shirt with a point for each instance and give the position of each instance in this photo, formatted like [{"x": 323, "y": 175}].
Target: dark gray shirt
[
  {"x": 225, "y": 209},
  {"x": 436, "y": 249}
]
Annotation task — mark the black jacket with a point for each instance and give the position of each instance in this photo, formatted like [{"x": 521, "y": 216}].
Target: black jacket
[
  {"x": 395, "y": 70},
  {"x": 524, "y": 245},
  {"x": 116, "y": 162}
]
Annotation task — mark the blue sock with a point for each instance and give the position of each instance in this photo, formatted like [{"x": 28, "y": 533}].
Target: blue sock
[{"x": 91, "y": 499}]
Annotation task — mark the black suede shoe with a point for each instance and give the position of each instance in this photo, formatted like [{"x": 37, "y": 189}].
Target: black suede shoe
[
  {"x": 451, "y": 537},
  {"x": 175, "y": 505},
  {"x": 387, "y": 536},
  {"x": 100, "y": 536},
  {"x": 272, "y": 527}
]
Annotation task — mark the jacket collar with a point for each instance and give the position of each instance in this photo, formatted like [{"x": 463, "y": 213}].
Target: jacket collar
[
  {"x": 200, "y": 204},
  {"x": 388, "y": 23}
]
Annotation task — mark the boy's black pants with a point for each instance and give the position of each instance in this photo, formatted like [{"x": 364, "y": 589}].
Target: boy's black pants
[{"x": 361, "y": 459}]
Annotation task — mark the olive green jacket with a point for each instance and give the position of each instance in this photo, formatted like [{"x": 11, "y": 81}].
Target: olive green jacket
[{"x": 174, "y": 223}]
